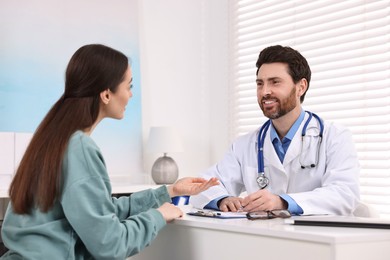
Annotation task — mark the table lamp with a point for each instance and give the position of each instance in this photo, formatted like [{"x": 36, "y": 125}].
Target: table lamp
[{"x": 164, "y": 140}]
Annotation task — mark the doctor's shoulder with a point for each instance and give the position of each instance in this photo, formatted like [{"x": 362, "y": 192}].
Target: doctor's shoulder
[
  {"x": 245, "y": 142},
  {"x": 335, "y": 132}
]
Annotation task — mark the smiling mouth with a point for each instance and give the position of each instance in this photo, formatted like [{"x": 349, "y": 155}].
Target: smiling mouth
[{"x": 268, "y": 103}]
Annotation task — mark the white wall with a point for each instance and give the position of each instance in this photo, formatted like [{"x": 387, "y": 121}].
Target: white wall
[
  {"x": 12, "y": 147},
  {"x": 184, "y": 77},
  {"x": 37, "y": 40},
  {"x": 184, "y": 72}
]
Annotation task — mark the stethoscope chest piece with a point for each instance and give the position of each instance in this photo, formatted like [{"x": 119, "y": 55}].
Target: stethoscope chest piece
[{"x": 262, "y": 181}]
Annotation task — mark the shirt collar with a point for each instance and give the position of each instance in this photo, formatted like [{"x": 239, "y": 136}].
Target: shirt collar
[{"x": 290, "y": 134}]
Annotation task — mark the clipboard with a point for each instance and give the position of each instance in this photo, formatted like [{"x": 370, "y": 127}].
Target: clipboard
[{"x": 217, "y": 214}]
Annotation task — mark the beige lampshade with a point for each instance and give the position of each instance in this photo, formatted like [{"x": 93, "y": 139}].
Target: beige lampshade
[{"x": 163, "y": 139}]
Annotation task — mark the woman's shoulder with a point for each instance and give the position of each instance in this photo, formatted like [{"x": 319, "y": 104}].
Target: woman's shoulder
[
  {"x": 82, "y": 160},
  {"x": 82, "y": 147},
  {"x": 81, "y": 137}
]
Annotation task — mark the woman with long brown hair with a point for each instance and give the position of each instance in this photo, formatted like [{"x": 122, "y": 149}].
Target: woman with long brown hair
[{"x": 61, "y": 205}]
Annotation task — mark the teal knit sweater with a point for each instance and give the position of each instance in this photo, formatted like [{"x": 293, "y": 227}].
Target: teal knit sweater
[{"x": 86, "y": 223}]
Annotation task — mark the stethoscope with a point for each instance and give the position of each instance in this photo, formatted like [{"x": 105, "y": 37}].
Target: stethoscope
[{"x": 263, "y": 180}]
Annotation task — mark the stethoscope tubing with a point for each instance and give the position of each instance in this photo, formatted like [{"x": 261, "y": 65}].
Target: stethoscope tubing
[
  {"x": 260, "y": 147},
  {"x": 263, "y": 132}
]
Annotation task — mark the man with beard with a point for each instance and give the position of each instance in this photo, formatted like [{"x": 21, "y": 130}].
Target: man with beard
[{"x": 295, "y": 161}]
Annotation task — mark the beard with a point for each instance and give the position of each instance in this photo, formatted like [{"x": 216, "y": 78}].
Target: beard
[{"x": 281, "y": 108}]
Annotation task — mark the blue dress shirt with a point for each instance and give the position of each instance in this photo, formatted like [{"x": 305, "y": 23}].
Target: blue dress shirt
[{"x": 281, "y": 147}]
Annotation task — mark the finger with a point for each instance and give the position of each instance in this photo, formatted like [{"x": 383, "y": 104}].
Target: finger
[
  {"x": 253, "y": 205},
  {"x": 198, "y": 180},
  {"x": 233, "y": 204},
  {"x": 237, "y": 205},
  {"x": 211, "y": 183},
  {"x": 247, "y": 200},
  {"x": 202, "y": 187},
  {"x": 214, "y": 181},
  {"x": 252, "y": 197},
  {"x": 227, "y": 205},
  {"x": 232, "y": 207},
  {"x": 223, "y": 207},
  {"x": 208, "y": 184}
]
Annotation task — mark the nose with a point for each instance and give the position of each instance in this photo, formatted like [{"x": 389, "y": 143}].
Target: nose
[{"x": 264, "y": 90}]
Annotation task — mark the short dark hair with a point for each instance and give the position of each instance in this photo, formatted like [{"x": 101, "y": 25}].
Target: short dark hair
[{"x": 298, "y": 67}]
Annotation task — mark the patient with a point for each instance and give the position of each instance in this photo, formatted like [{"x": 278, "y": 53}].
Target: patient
[{"x": 61, "y": 205}]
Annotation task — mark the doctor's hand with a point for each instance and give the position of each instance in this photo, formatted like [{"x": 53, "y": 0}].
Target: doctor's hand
[
  {"x": 191, "y": 186},
  {"x": 263, "y": 200},
  {"x": 170, "y": 211},
  {"x": 233, "y": 204}
]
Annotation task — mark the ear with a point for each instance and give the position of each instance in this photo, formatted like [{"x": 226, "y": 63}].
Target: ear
[
  {"x": 302, "y": 87},
  {"x": 105, "y": 96}
]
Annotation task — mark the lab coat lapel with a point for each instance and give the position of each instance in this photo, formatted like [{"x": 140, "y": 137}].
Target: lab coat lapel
[
  {"x": 270, "y": 155},
  {"x": 295, "y": 149}
]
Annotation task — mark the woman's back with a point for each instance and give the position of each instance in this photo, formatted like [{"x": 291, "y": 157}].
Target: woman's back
[{"x": 84, "y": 215}]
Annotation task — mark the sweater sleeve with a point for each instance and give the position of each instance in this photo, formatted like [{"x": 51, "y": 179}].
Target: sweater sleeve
[
  {"x": 140, "y": 201},
  {"x": 89, "y": 208}
]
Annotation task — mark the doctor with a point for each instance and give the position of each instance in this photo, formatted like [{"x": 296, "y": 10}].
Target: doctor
[{"x": 294, "y": 161}]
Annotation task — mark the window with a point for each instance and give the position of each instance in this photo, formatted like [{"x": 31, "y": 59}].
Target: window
[{"x": 347, "y": 44}]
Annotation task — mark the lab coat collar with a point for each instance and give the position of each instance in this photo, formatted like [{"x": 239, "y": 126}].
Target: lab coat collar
[{"x": 294, "y": 150}]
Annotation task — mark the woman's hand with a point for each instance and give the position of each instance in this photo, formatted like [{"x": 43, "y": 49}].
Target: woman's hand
[
  {"x": 170, "y": 212},
  {"x": 190, "y": 186}
]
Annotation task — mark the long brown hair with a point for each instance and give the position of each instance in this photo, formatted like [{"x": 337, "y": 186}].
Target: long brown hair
[{"x": 91, "y": 70}]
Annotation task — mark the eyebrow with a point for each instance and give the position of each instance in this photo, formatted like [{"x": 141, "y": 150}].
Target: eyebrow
[
  {"x": 268, "y": 79},
  {"x": 131, "y": 80}
]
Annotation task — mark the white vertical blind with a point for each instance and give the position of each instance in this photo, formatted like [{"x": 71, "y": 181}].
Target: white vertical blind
[{"x": 347, "y": 45}]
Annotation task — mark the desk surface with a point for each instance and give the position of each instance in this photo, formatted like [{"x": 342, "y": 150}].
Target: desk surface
[
  {"x": 211, "y": 238},
  {"x": 282, "y": 229}
]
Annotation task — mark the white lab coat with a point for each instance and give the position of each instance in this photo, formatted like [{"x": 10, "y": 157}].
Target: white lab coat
[{"x": 332, "y": 187}]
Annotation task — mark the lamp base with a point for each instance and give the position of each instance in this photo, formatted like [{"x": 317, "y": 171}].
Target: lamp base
[{"x": 165, "y": 170}]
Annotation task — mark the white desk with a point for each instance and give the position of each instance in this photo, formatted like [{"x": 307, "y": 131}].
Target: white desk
[{"x": 199, "y": 238}]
